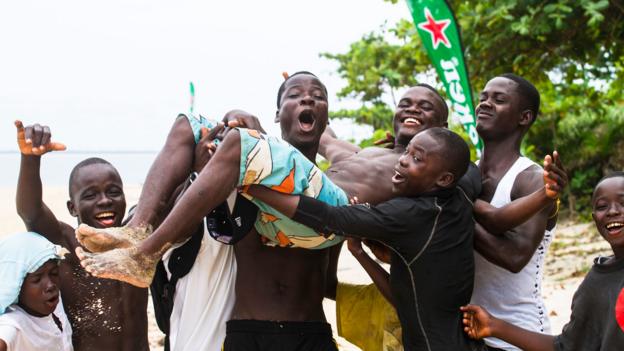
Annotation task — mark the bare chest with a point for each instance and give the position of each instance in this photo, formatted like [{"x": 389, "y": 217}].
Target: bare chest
[
  {"x": 366, "y": 175},
  {"x": 98, "y": 307}
]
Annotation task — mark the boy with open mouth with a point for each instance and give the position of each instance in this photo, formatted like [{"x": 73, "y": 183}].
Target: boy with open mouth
[
  {"x": 31, "y": 317},
  {"x": 105, "y": 315}
]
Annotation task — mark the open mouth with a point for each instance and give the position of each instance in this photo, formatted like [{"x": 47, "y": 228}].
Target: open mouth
[
  {"x": 307, "y": 120},
  {"x": 614, "y": 228},
  {"x": 53, "y": 301},
  {"x": 397, "y": 178},
  {"x": 105, "y": 219},
  {"x": 412, "y": 122}
]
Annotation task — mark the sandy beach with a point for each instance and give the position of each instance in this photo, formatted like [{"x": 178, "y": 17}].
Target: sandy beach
[{"x": 570, "y": 257}]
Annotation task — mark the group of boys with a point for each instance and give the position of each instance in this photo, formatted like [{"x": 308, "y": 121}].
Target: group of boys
[{"x": 417, "y": 199}]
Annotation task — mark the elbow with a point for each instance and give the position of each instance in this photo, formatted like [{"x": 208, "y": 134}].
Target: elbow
[
  {"x": 514, "y": 268},
  {"x": 515, "y": 263},
  {"x": 28, "y": 214},
  {"x": 24, "y": 214}
]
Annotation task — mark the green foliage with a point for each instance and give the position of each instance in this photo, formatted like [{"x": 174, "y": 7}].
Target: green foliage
[
  {"x": 379, "y": 134},
  {"x": 572, "y": 50},
  {"x": 373, "y": 66},
  {"x": 378, "y": 115},
  {"x": 594, "y": 145}
]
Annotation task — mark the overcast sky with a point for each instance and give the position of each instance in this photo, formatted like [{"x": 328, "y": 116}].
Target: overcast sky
[{"x": 112, "y": 75}]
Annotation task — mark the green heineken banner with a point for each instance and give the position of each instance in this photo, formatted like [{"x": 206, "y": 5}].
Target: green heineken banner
[{"x": 439, "y": 33}]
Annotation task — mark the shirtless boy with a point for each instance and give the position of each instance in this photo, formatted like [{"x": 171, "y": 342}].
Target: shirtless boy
[
  {"x": 302, "y": 116},
  {"x": 294, "y": 294},
  {"x": 105, "y": 315},
  {"x": 428, "y": 226}
]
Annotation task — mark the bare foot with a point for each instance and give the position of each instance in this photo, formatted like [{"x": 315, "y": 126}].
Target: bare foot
[
  {"x": 125, "y": 265},
  {"x": 100, "y": 240}
]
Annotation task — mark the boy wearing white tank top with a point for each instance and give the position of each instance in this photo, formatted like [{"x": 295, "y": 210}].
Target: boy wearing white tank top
[{"x": 509, "y": 266}]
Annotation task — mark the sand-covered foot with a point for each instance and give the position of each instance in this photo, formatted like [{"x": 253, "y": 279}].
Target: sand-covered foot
[
  {"x": 125, "y": 265},
  {"x": 104, "y": 239}
]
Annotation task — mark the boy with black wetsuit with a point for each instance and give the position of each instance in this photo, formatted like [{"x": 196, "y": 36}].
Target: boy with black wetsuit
[{"x": 428, "y": 226}]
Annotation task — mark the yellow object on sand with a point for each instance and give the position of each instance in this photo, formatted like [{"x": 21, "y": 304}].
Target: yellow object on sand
[{"x": 366, "y": 319}]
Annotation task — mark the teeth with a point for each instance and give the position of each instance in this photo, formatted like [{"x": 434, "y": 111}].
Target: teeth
[
  {"x": 615, "y": 225},
  {"x": 104, "y": 214},
  {"x": 411, "y": 120}
]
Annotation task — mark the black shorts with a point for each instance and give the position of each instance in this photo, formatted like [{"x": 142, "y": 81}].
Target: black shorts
[{"x": 253, "y": 335}]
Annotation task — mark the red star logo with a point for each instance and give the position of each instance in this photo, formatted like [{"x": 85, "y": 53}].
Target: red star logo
[
  {"x": 619, "y": 310},
  {"x": 436, "y": 29}
]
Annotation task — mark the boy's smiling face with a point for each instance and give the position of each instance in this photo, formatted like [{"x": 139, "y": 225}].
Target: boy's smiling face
[
  {"x": 419, "y": 109},
  {"x": 608, "y": 212},
  {"x": 97, "y": 196},
  {"x": 498, "y": 112},
  {"x": 421, "y": 168},
  {"x": 40, "y": 290}
]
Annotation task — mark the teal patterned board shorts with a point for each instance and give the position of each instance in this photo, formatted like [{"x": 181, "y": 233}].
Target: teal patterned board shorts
[{"x": 274, "y": 163}]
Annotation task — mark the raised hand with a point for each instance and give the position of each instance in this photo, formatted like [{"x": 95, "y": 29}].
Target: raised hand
[
  {"x": 477, "y": 321},
  {"x": 35, "y": 140},
  {"x": 206, "y": 147},
  {"x": 555, "y": 177}
]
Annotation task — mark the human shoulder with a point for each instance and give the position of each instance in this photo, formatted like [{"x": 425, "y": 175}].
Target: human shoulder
[
  {"x": 608, "y": 265},
  {"x": 12, "y": 321},
  {"x": 8, "y": 336},
  {"x": 470, "y": 182},
  {"x": 409, "y": 207},
  {"x": 527, "y": 181},
  {"x": 375, "y": 151},
  {"x": 594, "y": 308}
]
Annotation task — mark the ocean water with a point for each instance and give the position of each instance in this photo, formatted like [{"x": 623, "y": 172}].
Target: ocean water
[{"x": 56, "y": 166}]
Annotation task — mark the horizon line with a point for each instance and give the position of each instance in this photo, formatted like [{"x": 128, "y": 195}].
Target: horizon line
[{"x": 91, "y": 152}]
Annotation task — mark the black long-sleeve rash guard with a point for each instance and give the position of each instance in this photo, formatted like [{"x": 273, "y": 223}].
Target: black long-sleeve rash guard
[{"x": 432, "y": 270}]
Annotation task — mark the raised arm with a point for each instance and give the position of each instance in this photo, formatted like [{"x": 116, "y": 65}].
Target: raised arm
[
  {"x": 34, "y": 141},
  {"x": 499, "y": 220},
  {"x": 334, "y": 149},
  {"x": 478, "y": 324},
  {"x": 513, "y": 249}
]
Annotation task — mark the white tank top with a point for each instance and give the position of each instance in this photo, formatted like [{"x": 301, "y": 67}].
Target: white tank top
[
  {"x": 513, "y": 297},
  {"x": 204, "y": 298}
]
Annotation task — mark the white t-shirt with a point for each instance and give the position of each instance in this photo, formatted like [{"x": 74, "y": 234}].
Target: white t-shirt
[
  {"x": 204, "y": 298},
  {"x": 513, "y": 297},
  {"x": 24, "y": 332}
]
